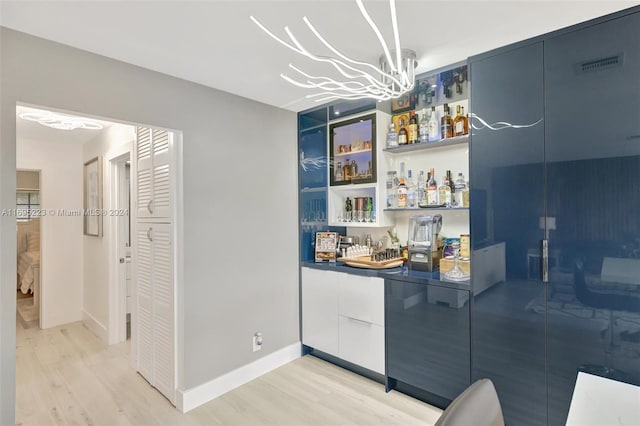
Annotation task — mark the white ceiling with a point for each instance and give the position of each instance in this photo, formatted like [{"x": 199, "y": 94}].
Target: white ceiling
[
  {"x": 214, "y": 43},
  {"x": 31, "y": 130}
]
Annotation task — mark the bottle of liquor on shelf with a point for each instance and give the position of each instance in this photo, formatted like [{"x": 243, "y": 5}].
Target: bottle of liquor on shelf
[
  {"x": 354, "y": 169},
  {"x": 421, "y": 189},
  {"x": 432, "y": 189},
  {"x": 413, "y": 129},
  {"x": 403, "y": 137},
  {"x": 444, "y": 192},
  {"x": 423, "y": 127},
  {"x": 392, "y": 136},
  {"x": 452, "y": 187},
  {"x": 338, "y": 175},
  {"x": 411, "y": 191},
  {"x": 460, "y": 122},
  {"x": 461, "y": 188},
  {"x": 446, "y": 123},
  {"x": 434, "y": 126},
  {"x": 402, "y": 194},
  {"x": 392, "y": 189},
  {"x": 346, "y": 170}
]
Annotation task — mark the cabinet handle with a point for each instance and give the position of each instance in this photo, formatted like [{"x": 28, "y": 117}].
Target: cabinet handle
[
  {"x": 545, "y": 261},
  {"x": 360, "y": 321},
  {"x": 149, "y": 206},
  {"x": 149, "y": 234}
]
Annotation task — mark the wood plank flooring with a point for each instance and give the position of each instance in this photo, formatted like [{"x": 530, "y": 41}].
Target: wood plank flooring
[{"x": 67, "y": 376}]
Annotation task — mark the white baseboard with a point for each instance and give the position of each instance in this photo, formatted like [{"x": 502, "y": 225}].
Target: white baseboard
[
  {"x": 189, "y": 399},
  {"x": 95, "y": 326}
]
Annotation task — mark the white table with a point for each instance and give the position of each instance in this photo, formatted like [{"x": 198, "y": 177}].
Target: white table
[
  {"x": 598, "y": 401},
  {"x": 618, "y": 270}
]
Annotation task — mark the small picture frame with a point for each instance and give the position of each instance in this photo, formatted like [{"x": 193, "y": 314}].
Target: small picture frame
[
  {"x": 406, "y": 102},
  {"x": 326, "y": 244},
  {"x": 93, "y": 197},
  {"x": 401, "y": 120}
]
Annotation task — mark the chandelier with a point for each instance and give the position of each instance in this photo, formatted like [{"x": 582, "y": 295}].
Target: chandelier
[
  {"x": 393, "y": 77},
  {"x": 60, "y": 122}
]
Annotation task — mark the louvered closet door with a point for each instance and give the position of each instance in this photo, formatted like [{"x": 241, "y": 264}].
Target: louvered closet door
[
  {"x": 161, "y": 153},
  {"x": 144, "y": 306},
  {"x": 163, "y": 309},
  {"x": 144, "y": 178}
]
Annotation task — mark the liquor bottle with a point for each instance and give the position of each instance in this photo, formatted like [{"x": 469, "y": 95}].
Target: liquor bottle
[
  {"x": 392, "y": 136},
  {"x": 411, "y": 191},
  {"x": 402, "y": 194},
  {"x": 444, "y": 192},
  {"x": 403, "y": 137},
  {"x": 354, "y": 169},
  {"x": 460, "y": 122},
  {"x": 338, "y": 174},
  {"x": 392, "y": 190},
  {"x": 423, "y": 128},
  {"x": 446, "y": 123},
  {"x": 432, "y": 189},
  {"x": 346, "y": 170},
  {"x": 434, "y": 126},
  {"x": 421, "y": 189},
  {"x": 461, "y": 187},
  {"x": 413, "y": 129},
  {"x": 452, "y": 188}
]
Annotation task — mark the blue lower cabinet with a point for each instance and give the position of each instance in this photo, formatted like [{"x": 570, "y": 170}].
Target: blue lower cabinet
[{"x": 427, "y": 340}]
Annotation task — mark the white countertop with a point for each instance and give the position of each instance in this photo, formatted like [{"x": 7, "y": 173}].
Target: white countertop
[{"x": 598, "y": 401}]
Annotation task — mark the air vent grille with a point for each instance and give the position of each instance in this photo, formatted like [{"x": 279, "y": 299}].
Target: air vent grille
[{"x": 600, "y": 64}]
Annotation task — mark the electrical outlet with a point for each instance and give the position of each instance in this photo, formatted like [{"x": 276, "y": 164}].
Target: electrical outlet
[{"x": 257, "y": 341}]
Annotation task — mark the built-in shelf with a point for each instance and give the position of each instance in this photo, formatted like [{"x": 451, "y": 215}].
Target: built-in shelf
[
  {"x": 428, "y": 145},
  {"x": 426, "y": 209},
  {"x": 311, "y": 190},
  {"x": 311, "y": 128},
  {"x": 346, "y": 154},
  {"x": 348, "y": 186}
]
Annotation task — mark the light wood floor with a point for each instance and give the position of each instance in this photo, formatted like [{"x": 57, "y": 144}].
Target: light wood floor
[{"x": 66, "y": 375}]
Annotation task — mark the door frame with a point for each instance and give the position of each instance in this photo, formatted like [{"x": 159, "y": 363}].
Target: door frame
[{"x": 117, "y": 328}]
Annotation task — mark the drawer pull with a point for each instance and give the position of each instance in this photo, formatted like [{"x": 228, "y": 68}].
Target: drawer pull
[{"x": 360, "y": 321}]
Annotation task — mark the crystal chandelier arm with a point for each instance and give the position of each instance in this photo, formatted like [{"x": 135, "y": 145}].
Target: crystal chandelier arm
[
  {"x": 378, "y": 34},
  {"x": 396, "y": 35}
]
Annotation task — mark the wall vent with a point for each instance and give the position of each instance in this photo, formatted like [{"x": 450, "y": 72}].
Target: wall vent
[{"x": 600, "y": 64}]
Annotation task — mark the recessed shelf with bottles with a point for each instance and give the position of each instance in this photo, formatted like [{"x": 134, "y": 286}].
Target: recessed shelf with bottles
[{"x": 426, "y": 209}]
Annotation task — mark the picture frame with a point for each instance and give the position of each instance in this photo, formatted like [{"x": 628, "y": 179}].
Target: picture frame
[
  {"x": 353, "y": 140},
  {"x": 325, "y": 248},
  {"x": 92, "y": 200},
  {"x": 406, "y": 102}
]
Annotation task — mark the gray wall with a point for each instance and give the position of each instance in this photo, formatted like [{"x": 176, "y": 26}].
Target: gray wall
[{"x": 239, "y": 168}]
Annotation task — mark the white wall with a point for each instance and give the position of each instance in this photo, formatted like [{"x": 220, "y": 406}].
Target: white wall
[
  {"x": 96, "y": 250},
  {"x": 239, "y": 173},
  {"x": 61, "y": 236}
]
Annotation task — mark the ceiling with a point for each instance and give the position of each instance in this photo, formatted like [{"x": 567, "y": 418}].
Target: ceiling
[
  {"x": 33, "y": 131},
  {"x": 214, "y": 43}
]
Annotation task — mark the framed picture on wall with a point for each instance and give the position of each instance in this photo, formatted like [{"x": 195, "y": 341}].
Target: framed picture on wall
[{"x": 93, "y": 197}]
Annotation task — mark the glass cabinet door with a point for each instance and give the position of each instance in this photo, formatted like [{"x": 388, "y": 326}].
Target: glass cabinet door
[
  {"x": 507, "y": 189},
  {"x": 312, "y": 177},
  {"x": 592, "y": 96}
]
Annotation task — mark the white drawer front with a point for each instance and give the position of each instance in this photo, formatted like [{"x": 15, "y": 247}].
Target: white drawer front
[
  {"x": 320, "y": 310},
  {"x": 362, "y": 343},
  {"x": 361, "y": 298}
]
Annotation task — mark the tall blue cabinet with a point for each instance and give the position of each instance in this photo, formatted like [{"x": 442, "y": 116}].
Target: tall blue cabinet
[{"x": 555, "y": 158}]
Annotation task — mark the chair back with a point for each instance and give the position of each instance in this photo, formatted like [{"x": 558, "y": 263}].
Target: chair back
[{"x": 478, "y": 405}]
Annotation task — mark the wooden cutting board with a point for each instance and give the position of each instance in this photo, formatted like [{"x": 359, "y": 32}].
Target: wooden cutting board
[{"x": 365, "y": 262}]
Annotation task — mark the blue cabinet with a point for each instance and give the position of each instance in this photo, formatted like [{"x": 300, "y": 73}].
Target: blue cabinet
[
  {"x": 427, "y": 338},
  {"x": 555, "y": 157}
]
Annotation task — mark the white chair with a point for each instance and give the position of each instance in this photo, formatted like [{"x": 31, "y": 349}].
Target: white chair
[{"x": 478, "y": 405}]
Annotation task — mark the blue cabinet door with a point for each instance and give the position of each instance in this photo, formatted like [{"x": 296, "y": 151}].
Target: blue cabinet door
[
  {"x": 507, "y": 201},
  {"x": 592, "y": 97}
]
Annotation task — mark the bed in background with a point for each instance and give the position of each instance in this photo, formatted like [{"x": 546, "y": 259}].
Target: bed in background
[{"x": 28, "y": 249}]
